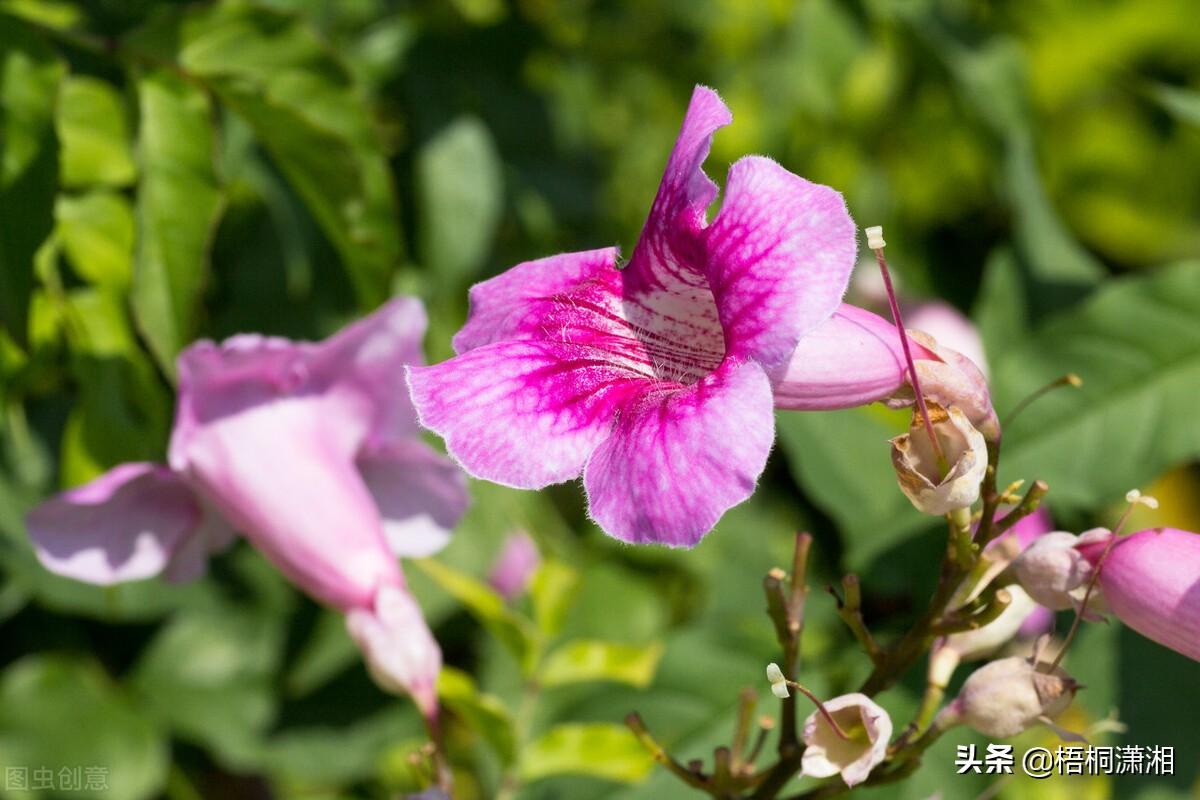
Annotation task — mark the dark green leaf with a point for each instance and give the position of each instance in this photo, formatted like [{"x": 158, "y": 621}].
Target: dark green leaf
[
  {"x": 29, "y": 76},
  {"x": 1136, "y": 345},
  {"x": 484, "y": 712}
]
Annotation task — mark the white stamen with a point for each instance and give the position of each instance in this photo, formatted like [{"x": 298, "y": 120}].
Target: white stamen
[
  {"x": 778, "y": 682},
  {"x": 1135, "y": 496},
  {"x": 875, "y": 237}
]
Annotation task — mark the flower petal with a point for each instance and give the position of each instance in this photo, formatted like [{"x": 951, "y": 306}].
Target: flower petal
[
  {"x": 679, "y": 458},
  {"x": 127, "y": 524},
  {"x": 779, "y": 257},
  {"x": 661, "y": 261},
  {"x": 949, "y": 327},
  {"x": 513, "y": 304},
  {"x": 1151, "y": 581},
  {"x": 401, "y": 653},
  {"x": 851, "y": 359},
  {"x": 363, "y": 366},
  {"x": 283, "y": 473},
  {"x": 421, "y": 495},
  {"x": 524, "y": 413}
]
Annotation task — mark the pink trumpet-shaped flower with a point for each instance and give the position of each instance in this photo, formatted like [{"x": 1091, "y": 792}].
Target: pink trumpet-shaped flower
[
  {"x": 1151, "y": 582},
  {"x": 652, "y": 380},
  {"x": 656, "y": 382},
  {"x": 311, "y": 451}
]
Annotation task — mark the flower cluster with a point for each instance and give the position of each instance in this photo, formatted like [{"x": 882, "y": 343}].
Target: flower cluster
[{"x": 656, "y": 381}]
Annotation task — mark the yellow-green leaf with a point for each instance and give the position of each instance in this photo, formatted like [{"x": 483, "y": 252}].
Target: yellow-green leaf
[{"x": 587, "y": 660}]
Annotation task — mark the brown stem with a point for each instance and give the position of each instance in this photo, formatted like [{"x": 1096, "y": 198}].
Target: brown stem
[{"x": 692, "y": 778}]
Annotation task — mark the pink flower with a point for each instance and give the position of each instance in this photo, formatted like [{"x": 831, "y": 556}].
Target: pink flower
[
  {"x": 311, "y": 451},
  {"x": 650, "y": 381},
  {"x": 514, "y": 568},
  {"x": 1151, "y": 581}
]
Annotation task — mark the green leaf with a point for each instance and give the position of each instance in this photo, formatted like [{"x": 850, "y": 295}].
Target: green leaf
[
  {"x": 1184, "y": 104},
  {"x": 122, "y": 412},
  {"x": 275, "y": 72},
  {"x": 210, "y": 676},
  {"x": 587, "y": 660},
  {"x": 97, "y": 233},
  {"x": 514, "y": 631},
  {"x": 94, "y": 132},
  {"x": 29, "y": 76},
  {"x": 57, "y": 712},
  {"x": 553, "y": 590},
  {"x": 842, "y": 461},
  {"x": 1136, "y": 345},
  {"x": 1000, "y": 312},
  {"x": 484, "y": 712},
  {"x": 179, "y": 203},
  {"x": 461, "y": 190},
  {"x": 601, "y": 750},
  {"x": 328, "y": 651}
]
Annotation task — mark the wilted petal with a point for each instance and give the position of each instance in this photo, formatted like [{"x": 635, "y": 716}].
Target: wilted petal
[
  {"x": 421, "y": 495},
  {"x": 952, "y": 379},
  {"x": 1151, "y": 582},
  {"x": 827, "y": 754},
  {"x": 918, "y": 468},
  {"x": 1052, "y": 570},
  {"x": 400, "y": 652},
  {"x": 523, "y": 413},
  {"x": 135, "y": 521},
  {"x": 679, "y": 458},
  {"x": 949, "y": 327},
  {"x": 512, "y": 305},
  {"x": 515, "y": 566}
]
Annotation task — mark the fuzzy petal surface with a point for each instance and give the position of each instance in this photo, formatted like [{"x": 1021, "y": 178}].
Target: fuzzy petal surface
[
  {"x": 679, "y": 458},
  {"x": 401, "y": 653},
  {"x": 1151, "y": 581}
]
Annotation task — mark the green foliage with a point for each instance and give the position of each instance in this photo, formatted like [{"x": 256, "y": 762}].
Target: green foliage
[{"x": 171, "y": 171}]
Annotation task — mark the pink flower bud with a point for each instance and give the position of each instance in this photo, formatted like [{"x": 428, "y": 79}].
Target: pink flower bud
[
  {"x": 515, "y": 566},
  {"x": 1151, "y": 582},
  {"x": 827, "y": 754}
]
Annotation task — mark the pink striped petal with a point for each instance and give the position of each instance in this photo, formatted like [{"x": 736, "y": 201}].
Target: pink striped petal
[
  {"x": 512, "y": 304},
  {"x": 852, "y": 359},
  {"x": 680, "y": 458},
  {"x": 135, "y": 521},
  {"x": 1151, "y": 581},
  {"x": 523, "y": 413}
]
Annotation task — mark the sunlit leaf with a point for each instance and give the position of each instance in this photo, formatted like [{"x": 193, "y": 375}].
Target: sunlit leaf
[
  {"x": 514, "y": 631},
  {"x": 94, "y": 132},
  {"x": 553, "y": 589},
  {"x": 97, "y": 233},
  {"x": 484, "y": 712},
  {"x": 586, "y": 661},
  {"x": 601, "y": 750},
  {"x": 179, "y": 203}
]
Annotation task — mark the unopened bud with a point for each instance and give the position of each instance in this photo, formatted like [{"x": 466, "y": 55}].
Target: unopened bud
[
  {"x": 778, "y": 681},
  {"x": 1053, "y": 571},
  {"x": 933, "y": 486},
  {"x": 1008, "y": 696}
]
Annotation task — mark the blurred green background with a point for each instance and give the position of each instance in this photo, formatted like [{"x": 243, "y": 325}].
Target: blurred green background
[{"x": 173, "y": 171}]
